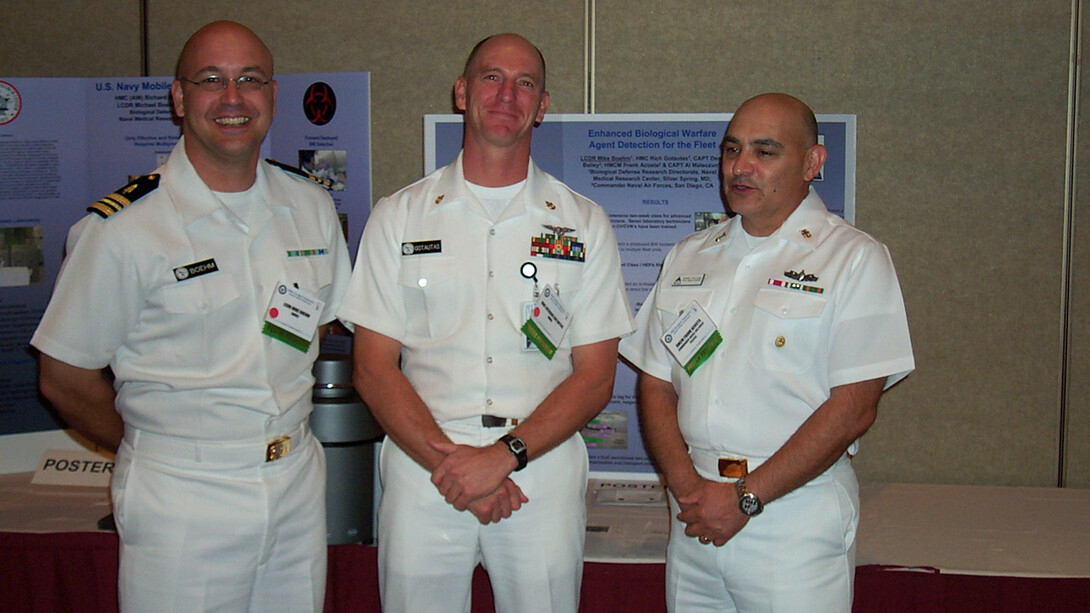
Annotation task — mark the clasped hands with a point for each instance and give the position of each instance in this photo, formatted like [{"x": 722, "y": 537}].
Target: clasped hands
[
  {"x": 710, "y": 512},
  {"x": 476, "y": 479}
]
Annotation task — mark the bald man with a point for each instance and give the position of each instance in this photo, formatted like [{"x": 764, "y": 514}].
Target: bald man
[
  {"x": 175, "y": 283},
  {"x": 763, "y": 350},
  {"x": 481, "y": 400}
]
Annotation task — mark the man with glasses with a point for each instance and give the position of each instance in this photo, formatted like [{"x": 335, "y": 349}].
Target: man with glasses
[{"x": 179, "y": 284}]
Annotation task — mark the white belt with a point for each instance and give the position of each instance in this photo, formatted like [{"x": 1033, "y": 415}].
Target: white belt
[
  {"x": 707, "y": 463},
  {"x": 243, "y": 453}
]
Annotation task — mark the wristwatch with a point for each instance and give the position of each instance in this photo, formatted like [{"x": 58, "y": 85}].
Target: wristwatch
[
  {"x": 517, "y": 448},
  {"x": 748, "y": 502}
]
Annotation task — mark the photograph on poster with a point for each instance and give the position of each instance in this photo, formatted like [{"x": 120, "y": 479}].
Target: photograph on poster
[
  {"x": 21, "y": 260},
  {"x": 329, "y": 165}
]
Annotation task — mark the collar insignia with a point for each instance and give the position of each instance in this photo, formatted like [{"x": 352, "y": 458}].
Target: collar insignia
[
  {"x": 440, "y": 198},
  {"x": 801, "y": 275},
  {"x": 805, "y": 233},
  {"x": 551, "y": 207}
]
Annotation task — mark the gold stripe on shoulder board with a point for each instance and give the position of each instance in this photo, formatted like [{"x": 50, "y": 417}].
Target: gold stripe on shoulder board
[
  {"x": 140, "y": 187},
  {"x": 299, "y": 172}
]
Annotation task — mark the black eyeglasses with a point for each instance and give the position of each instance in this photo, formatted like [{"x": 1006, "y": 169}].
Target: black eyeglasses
[{"x": 216, "y": 83}]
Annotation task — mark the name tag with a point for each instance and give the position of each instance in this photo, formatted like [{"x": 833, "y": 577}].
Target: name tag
[
  {"x": 693, "y": 338},
  {"x": 292, "y": 316},
  {"x": 548, "y": 322}
]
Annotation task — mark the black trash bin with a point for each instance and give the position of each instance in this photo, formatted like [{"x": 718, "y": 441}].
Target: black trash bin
[{"x": 349, "y": 434}]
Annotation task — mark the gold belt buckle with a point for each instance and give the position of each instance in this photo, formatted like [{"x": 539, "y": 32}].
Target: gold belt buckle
[
  {"x": 278, "y": 449},
  {"x": 733, "y": 468}
]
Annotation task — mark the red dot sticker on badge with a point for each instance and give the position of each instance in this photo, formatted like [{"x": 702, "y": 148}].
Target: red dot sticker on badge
[
  {"x": 537, "y": 311},
  {"x": 274, "y": 313}
]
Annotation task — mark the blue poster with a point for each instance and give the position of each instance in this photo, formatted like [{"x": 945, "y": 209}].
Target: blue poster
[
  {"x": 64, "y": 143},
  {"x": 658, "y": 178}
]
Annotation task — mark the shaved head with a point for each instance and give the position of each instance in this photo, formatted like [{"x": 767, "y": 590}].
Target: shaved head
[
  {"x": 471, "y": 60},
  {"x": 794, "y": 113},
  {"x": 219, "y": 30}
]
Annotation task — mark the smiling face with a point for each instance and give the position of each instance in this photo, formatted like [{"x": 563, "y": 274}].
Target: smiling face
[
  {"x": 223, "y": 130},
  {"x": 502, "y": 94},
  {"x": 770, "y": 155}
]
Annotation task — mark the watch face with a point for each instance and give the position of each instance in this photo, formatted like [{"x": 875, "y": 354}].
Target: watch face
[{"x": 749, "y": 504}]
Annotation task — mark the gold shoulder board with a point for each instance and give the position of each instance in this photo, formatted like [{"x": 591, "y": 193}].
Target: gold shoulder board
[
  {"x": 140, "y": 187},
  {"x": 299, "y": 172}
]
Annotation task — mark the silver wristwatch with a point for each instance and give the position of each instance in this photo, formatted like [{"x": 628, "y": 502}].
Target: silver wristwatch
[{"x": 748, "y": 502}]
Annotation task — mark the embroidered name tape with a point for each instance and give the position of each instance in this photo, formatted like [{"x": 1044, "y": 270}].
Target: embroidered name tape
[
  {"x": 195, "y": 269},
  {"x": 418, "y": 247},
  {"x": 796, "y": 286}
]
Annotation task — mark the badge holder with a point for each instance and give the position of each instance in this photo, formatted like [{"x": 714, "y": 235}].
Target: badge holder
[
  {"x": 292, "y": 316},
  {"x": 548, "y": 319},
  {"x": 693, "y": 338}
]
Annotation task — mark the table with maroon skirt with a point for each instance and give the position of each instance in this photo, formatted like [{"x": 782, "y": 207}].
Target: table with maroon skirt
[{"x": 922, "y": 548}]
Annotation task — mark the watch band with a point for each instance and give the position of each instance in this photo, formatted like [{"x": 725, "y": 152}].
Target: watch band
[
  {"x": 748, "y": 502},
  {"x": 517, "y": 448}
]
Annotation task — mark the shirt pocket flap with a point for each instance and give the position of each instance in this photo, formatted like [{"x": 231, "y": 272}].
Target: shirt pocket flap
[
  {"x": 789, "y": 305},
  {"x": 422, "y": 272},
  {"x": 201, "y": 295},
  {"x": 675, "y": 301}
]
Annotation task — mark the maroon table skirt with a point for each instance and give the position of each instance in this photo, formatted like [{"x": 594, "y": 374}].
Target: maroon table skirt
[{"x": 77, "y": 572}]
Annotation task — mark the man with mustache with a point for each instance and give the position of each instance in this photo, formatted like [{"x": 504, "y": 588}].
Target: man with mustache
[
  {"x": 180, "y": 283},
  {"x": 763, "y": 349}
]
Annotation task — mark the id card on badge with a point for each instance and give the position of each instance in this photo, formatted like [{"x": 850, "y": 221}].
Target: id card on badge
[
  {"x": 292, "y": 316},
  {"x": 693, "y": 338},
  {"x": 548, "y": 322}
]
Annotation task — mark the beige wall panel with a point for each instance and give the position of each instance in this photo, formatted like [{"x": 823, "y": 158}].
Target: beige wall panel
[
  {"x": 1077, "y": 442},
  {"x": 414, "y": 50},
  {"x": 96, "y": 38},
  {"x": 960, "y": 171},
  {"x": 962, "y": 116}
]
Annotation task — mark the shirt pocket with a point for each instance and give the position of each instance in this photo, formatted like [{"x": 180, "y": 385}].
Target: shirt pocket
[
  {"x": 431, "y": 294},
  {"x": 672, "y": 302},
  {"x": 200, "y": 296},
  {"x": 310, "y": 274},
  {"x": 786, "y": 331}
]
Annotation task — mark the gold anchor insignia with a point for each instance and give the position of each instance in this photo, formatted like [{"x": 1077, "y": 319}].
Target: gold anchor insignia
[
  {"x": 805, "y": 233},
  {"x": 440, "y": 198},
  {"x": 550, "y": 205}
]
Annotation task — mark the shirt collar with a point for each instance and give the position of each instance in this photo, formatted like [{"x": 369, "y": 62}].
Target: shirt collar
[
  {"x": 535, "y": 195},
  {"x": 191, "y": 196},
  {"x": 806, "y": 227}
]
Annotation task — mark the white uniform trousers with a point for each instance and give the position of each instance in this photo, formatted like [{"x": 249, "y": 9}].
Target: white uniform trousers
[
  {"x": 201, "y": 531},
  {"x": 428, "y": 550},
  {"x": 797, "y": 556}
]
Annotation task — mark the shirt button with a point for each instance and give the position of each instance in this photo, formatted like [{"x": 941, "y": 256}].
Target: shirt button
[
  {"x": 491, "y": 317},
  {"x": 422, "y": 282},
  {"x": 492, "y": 231},
  {"x": 491, "y": 273},
  {"x": 780, "y": 341},
  {"x": 489, "y": 359},
  {"x": 489, "y": 402},
  {"x": 733, "y": 310}
]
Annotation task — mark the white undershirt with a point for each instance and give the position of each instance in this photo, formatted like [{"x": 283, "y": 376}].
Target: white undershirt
[{"x": 495, "y": 199}]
